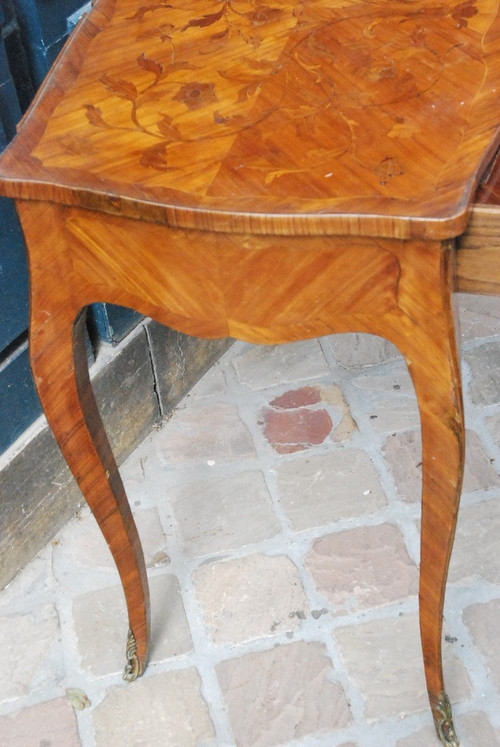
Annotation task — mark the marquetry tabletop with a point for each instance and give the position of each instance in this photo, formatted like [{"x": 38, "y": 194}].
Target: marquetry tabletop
[{"x": 318, "y": 116}]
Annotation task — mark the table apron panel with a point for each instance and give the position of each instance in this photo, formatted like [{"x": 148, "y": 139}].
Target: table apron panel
[{"x": 258, "y": 288}]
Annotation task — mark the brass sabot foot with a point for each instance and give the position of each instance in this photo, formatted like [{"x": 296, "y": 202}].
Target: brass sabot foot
[
  {"x": 133, "y": 668},
  {"x": 443, "y": 720}
]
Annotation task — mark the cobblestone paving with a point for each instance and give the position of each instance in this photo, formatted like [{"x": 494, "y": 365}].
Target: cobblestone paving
[{"x": 279, "y": 513}]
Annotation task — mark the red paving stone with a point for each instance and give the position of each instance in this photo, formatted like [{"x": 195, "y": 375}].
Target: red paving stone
[
  {"x": 295, "y": 430},
  {"x": 306, "y": 395}
]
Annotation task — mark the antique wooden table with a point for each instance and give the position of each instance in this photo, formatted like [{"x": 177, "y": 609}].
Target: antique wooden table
[{"x": 270, "y": 170}]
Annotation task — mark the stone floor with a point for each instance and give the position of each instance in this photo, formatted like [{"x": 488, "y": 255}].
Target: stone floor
[{"x": 279, "y": 512}]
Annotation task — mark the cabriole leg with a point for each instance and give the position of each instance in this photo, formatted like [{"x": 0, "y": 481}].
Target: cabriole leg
[
  {"x": 60, "y": 369},
  {"x": 438, "y": 391},
  {"x": 430, "y": 348}
]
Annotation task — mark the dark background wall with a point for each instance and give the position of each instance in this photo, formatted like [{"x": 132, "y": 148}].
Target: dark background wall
[{"x": 33, "y": 33}]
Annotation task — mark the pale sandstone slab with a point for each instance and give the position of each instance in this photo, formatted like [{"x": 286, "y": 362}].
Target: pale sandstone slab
[
  {"x": 159, "y": 711},
  {"x": 384, "y": 659},
  {"x": 483, "y": 621},
  {"x": 389, "y": 399},
  {"x": 321, "y": 489},
  {"x": 403, "y": 452},
  {"x": 84, "y": 544},
  {"x": 223, "y": 514},
  {"x": 49, "y": 724},
  {"x": 475, "y": 552},
  {"x": 356, "y": 349},
  {"x": 397, "y": 415},
  {"x": 472, "y": 729},
  {"x": 250, "y": 597},
  {"x": 363, "y": 568},
  {"x": 199, "y": 434},
  {"x": 479, "y": 474},
  {"x": 100, "y": 621},
  {"x": 283, "y": 694},
  {"x": 31, "y": 656},
  {"x": 263, "y": 366}
]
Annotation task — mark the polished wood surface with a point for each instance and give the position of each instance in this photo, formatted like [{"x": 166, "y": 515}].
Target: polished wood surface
[
  {"x": 271, "y": 171},
  {"x": 326, "y": 116}
]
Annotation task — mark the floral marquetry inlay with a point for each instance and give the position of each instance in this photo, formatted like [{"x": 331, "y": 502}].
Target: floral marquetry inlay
[{"x": 277, "y": 106}]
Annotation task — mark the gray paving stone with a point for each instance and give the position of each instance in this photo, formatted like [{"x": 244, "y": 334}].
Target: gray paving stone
[
  {"x": 403, "y": 452},
  {"x": 199, "y": 434},
  {"x": 31, "y": 655},
  {"x": 475, "y": 552},
  {"x": 212, "y": 385},
  {"x": 100, "y": 621},
  {"x": 165, "y": 709},
  {"x": 363, "y": 568},
  {"x": 484, "y": 388},
  {"x": 49, "y": 724},
  {"x": 353, "y": 350},
  {"x": 389, "y": 399},
  {"x": 425, "y": 736},
  {"x": 392, "y": 384},
  {"x": 251, "y": 597},
  {"x": 320, "y": 489},
  {"x": 264, "y": 366},
  {"x": 276, "y": 696},
  {"x": 479, "y": 316},
  {"x": 223, "y": 514},
  {"x": 483, "y": 621},
  {"x": 475, "y": 728},
  {"x": 384, "y": 659},
  {"x": 493, "y": 425}
]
